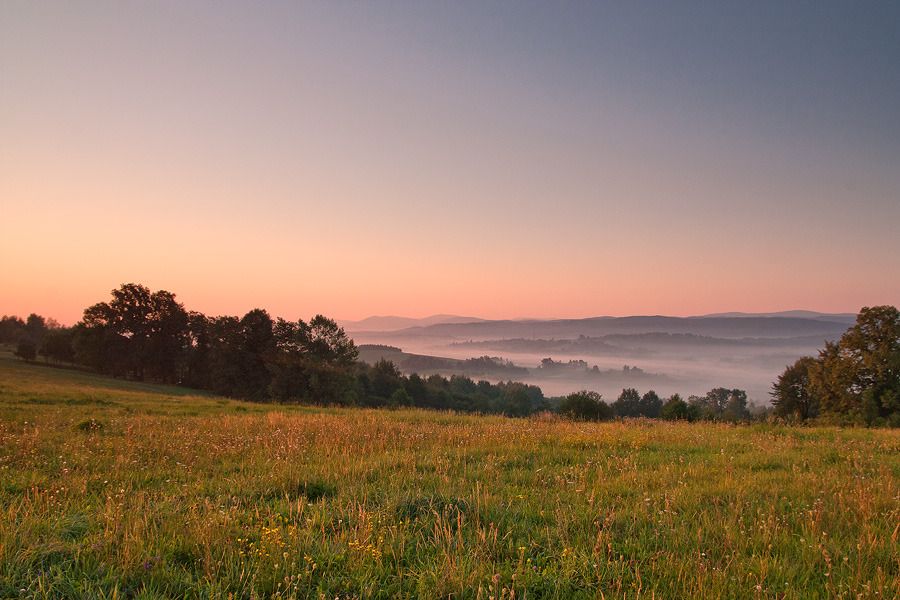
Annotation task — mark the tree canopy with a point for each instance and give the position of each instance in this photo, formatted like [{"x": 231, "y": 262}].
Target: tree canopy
[{"x": 855, "y": 379}]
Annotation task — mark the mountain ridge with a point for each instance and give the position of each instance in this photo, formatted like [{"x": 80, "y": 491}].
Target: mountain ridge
[
  {"x": 395, "y": 322},
  {"x": 719, "y": 326}
]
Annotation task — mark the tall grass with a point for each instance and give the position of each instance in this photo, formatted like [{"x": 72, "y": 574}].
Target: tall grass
[{"x": 118, "y": 490}]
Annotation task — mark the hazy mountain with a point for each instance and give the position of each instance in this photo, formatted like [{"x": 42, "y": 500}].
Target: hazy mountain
[
  {"x": 715, "y": 326},
  {"x": 638, "y": 344},
  {"x": 393, "y": 323},
  {"x": 848, "y": 318}
]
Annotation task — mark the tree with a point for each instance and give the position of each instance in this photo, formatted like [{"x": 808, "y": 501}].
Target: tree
[
  {"x": 792, "y": 396},
  {"x": 676, "y": 409},
  {"x": 224, "y": 356},
  {"x": 128, "y": 317},
  {"x": 628, "y": 404},
  {"x": 831, "y": 382},
  {"x": 399, "y": 398},
  {"x": 385, "y": 379},
  {"x": 417, "y": 389},
  {"x": 721, "y": 404},
  {"x": 140, "y": 332},
  {"x": 35, "y": 328},
  {"x": 57, "y": 345},
  {"x": 168, "y": 337},
  {"x": 515, "y": 401},
  {"x": 325, "y": 342},
  {"x": 650, "y": 405},
  {"x": 11, "y": 329},
  {"x": 585, "y": 406},
  {"x": 289, "y": 370},
  {"x": 26, "y": 350},
  {"x": 199, "y": 349},
  {"x": 869, "y": 357},
  {"x": 255, "y": 350},
  {"x": 856, "y": 378},
  {"x": 736, "y": 407}
]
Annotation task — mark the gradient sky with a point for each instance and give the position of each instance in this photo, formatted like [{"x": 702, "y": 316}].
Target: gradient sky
[{"x": 491, "y": 159}]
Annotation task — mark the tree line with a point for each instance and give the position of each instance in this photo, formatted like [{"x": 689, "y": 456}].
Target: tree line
[
  {"x": 144, "y": 335},
  {"x": 719, "y": 404},
  {"x": 855, "y": 380}
]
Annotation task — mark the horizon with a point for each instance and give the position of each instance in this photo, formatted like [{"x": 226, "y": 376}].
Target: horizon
[
  {"x": 605, "y": 316},
  {"x": 343, "y": 321},
  {"x": 355, "y": 160}
]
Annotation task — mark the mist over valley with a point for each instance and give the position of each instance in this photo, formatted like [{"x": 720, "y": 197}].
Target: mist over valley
[{"x": 686, "y": 355}]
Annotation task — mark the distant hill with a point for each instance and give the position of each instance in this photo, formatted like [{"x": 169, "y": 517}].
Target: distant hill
[
  {"x": 394, "y": 323},
  {"x": 715, "y": 326},
  {"x": 641, "y": 345},
  {"x": 482, "y": 366},
  {"x": 848, "y": 318}
]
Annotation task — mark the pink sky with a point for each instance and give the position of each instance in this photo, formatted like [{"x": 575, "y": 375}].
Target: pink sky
[{"x": 269, "y": 163}]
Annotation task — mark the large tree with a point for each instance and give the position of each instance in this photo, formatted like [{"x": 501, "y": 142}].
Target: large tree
[
  {"x": 142, "y": 332},
  {"x": 859, "y": 376},
  {"x": 856, "y": 378}
]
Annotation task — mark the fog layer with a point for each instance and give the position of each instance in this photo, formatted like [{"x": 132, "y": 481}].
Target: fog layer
[{"x": 668, "y": 354}]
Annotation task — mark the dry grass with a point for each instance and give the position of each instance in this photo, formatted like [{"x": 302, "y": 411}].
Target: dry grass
[{"x": 110, "y": 489}]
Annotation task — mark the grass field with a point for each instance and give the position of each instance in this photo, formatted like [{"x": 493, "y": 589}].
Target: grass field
[{"x": 111, "y": 489}]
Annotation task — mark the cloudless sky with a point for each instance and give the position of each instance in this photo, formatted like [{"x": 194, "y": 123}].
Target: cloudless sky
[{"x": 497, "y": 159}]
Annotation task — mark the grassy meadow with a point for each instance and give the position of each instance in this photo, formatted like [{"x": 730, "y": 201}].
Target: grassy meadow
[{"x": 112, "y": 489}]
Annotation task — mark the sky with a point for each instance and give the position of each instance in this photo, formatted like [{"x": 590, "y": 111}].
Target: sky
[{"x": 492, "y": 159}]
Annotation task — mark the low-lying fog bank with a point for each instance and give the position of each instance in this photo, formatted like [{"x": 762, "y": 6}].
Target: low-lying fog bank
[{"x": 666, "y": 354}]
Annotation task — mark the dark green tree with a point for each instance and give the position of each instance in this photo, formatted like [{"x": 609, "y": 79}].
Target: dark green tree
[
  {"x": 792, "y": 396},
  {"x": 650, "y": 405},
  {"x": 736, "y": 407},
  {"x": 399, "y": 398},
  {"x": 11, "y": 329},
  {"x": 855, "y": 379},
  {"x": 515, "y": 401},
  {"x": 417, "y": 389},
  {"x": 628, "y": 404},
  {"x": 326, "y": 342},
  {"x": 676, "y": 409},
  {"x": 585, "y": 406},
  {"x": 255, "y": 351},
  {"x": 26, "y": 350},
  {"x": 385, "y": 379},
  {"x": 57, "y": 345},
  {"x": 35, "y": 328}
]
